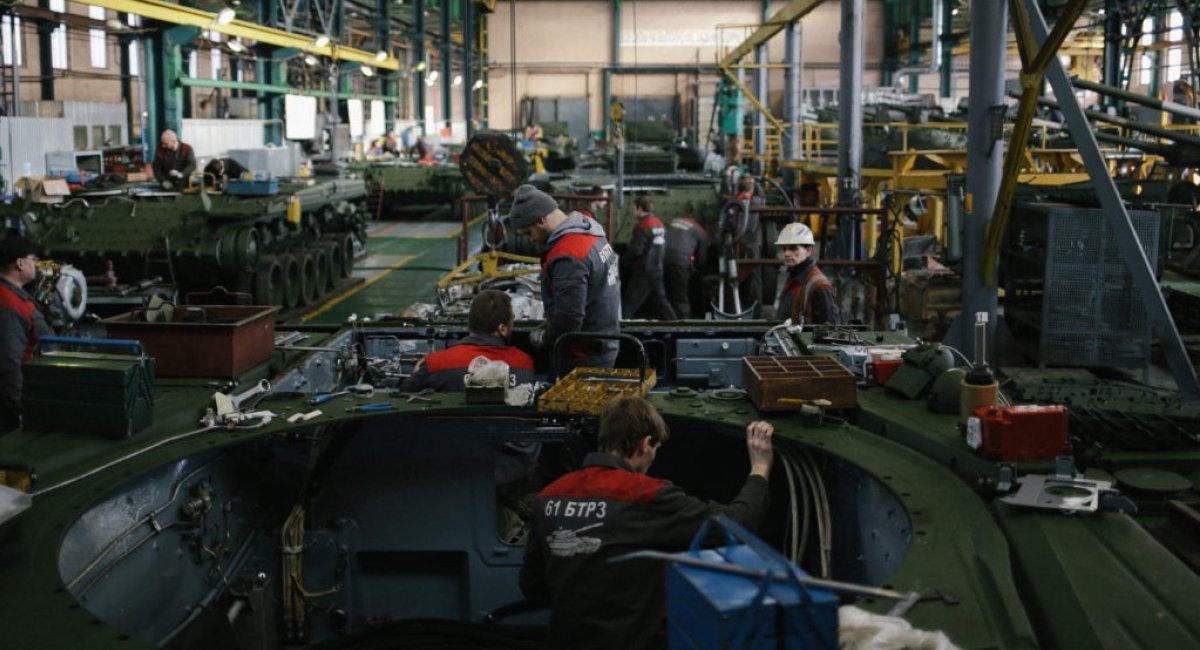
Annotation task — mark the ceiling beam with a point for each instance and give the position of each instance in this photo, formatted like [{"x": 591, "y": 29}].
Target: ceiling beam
[
  {"x": 795, "y": 10},
  {"x": 181, "y": 15}
]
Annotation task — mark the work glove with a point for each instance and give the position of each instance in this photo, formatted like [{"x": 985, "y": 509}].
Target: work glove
[
  {"x": 168, "y": 185},
  {"x": 537, "y": 338},
  {"x": 175, "y": 173}
]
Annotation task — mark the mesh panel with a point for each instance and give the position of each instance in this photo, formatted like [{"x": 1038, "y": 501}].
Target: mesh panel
[{"x": 1091, "y": 313}]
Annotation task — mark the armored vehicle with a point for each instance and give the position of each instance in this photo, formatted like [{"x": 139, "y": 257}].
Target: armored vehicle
[{"x": 287, "y": 246}]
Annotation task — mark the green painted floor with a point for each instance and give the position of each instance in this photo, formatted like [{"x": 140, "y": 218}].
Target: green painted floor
[{"x": 404, "y": 261}]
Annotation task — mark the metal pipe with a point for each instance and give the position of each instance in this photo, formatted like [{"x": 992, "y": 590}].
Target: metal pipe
[
  {"x": 985, "y": 159},
  {"x": 850, "y": 119},
  {"x": 1170, "y": 107},
  {"x": 1141, "y": 127},
  {"x": 791, "y": 100},
  {"x": 935, "y": 46}
]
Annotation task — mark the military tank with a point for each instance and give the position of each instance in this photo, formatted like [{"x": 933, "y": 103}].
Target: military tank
[
  {"x": 288, "y": 245},
  {"x": 406, "y": 189}
]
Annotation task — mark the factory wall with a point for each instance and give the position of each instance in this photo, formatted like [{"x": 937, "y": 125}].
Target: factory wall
[{"x": 563, "y": 47}]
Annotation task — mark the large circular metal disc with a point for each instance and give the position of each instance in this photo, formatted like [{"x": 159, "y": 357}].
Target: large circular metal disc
[{"x": 492, "y": 164}]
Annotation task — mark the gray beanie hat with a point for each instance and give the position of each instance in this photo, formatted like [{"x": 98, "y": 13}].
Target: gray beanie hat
[{"x": 529, "y": 205}]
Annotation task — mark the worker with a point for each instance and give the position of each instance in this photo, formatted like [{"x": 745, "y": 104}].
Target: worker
[
  {"x": 174, "y": 161},
  {"x": 647, "y": 247},
  {"x": 687, "y": 244},
  {"x": 807, "y": 292},
  {"x": 21, "y": 324},
  {"x": 610, "y": 507},
  {"x": 749, "y": 244},
  {"x": 597, "y": 206},
  {"x": 220, "y": 170},
  {"x": 581, "y": 284},
  {"x": 490, "y": 326}
]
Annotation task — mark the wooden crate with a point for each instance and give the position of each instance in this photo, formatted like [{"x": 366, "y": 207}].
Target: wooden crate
[
  {"x": 589, "y": 390},
  {"x": 768, "y": 379},
  {"x": 202, "y": 340}
]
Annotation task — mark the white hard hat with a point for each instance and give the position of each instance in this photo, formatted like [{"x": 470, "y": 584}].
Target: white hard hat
[{"x": 795, "y": 234}]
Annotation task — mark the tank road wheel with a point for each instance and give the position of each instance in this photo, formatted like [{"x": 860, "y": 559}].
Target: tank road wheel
[
  {"x": 293, "y": 281},
  {"x": 309, "y": 291},
  {"x": 347, "y": 245},
  {"x": 324, "y": 277},
  {"x": 268, "y": 282},
  {"x": 333, "y": 253}
]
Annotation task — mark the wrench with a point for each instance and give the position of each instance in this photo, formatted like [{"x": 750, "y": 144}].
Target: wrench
[{"x": 261, "y": 387}]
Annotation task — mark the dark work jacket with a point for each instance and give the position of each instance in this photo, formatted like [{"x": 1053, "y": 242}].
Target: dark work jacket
[
  {"x": 647, "y": 246},
  {"x": 606, "y": 509},
  {"x": 21, "y": 325},
  {"x": 581, "y": 289},
  {"x": 183, "y": 159},
  {"x": 809, "y": 293},
  {"x": 686, "y": 242},
  {"x": 444, "y": 370}
]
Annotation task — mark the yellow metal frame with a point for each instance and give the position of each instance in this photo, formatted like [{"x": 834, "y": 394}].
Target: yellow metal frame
[
  {"x": 182, "y": 15},
  {"x": 489, "y": 268}
]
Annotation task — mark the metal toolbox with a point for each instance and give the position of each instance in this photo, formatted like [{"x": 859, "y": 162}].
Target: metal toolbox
[
  {"x": 769, "y": 380},
  {"x": 714, "y": 362},
  {"x": 712, "y": 602},
  {"x": 203, "y": 340},
  {"x": 88, "y": 392}
]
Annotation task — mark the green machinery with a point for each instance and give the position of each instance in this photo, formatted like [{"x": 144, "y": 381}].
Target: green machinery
[
  {"x": 400, "y": 188},
  {"x": 287, "y": 249}
]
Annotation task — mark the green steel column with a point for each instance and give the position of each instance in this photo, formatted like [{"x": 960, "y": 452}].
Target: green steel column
[
  {"x": 45, "y": 55},
  {"x": 947, "y": 71},
  {"x": 468, "y": 65},
  {"x": 615, "y": 61},
  {"x": 123, "y": 43},
  {"x": 1155, "y": 60},
  {"x": 418, "y": 78},
  {"x": 1112, "y": 49},
  {"x": 164, "y": 66},
  {"x": 914, "y": 42},
  {"x": 447, "y": 62},
  {"x": 890, "y": 62}
]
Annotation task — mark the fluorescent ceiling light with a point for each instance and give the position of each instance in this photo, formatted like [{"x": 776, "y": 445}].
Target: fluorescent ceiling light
[
  {"x": 419, "y": 67},
  {"x": 236, "y": 45},
  {"x": 321, "y": 41},
  {"x": 457, "y": 80},
  {"x": 381, "y": 55},
  {"x": 225, "y": 16},
  {"x": 477, "y": 85},
  {"x": 433, "y": 75},
  {"x": 310, "y": 59},
  {"x": 368, "y": 71}
]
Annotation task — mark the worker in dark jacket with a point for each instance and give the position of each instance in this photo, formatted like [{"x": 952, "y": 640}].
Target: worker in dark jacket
[
  {"x": 687, "y": 243},
  {"x": 490, "y": 323},
  {"x": 748, "y": 242},
  {"x": 647, "y": 248},
  {"x": 610, "y": 507},
  {"x": 174, "y": 162},
  {"x": 581, "y": 284},
  {"x": 807, "y": 292},
  {"x": 21, "y": 324}
]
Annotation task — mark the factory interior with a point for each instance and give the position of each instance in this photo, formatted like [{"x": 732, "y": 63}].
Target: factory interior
[{"x": 256, "y": 229}]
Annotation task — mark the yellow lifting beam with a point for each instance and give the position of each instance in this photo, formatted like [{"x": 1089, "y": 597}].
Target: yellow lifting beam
[
  {"x": 489, "y": 267},
  {"x": 181, "y": 15},
  {"x": 795, "y": 10}
]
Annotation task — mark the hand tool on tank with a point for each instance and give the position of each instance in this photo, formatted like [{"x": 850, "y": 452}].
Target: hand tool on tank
[
  {"x": 426, "y": 396},
  {"x": 360, "y": 390},
  {"x": 373, "y": 407}
]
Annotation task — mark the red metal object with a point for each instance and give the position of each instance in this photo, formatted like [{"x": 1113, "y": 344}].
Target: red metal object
[
  {"x": 1027, "y": 432},
  {"x": 202, "y": 340},
  {"x": 878, "y": 372}
]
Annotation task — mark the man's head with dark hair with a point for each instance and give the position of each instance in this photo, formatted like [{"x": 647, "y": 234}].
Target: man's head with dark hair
[
  {"x": 625, "y": 423},
  {"x": 746, "y": 185},
  {"x": 491, "y": 310},
  {"x": 644, "y": 203}
]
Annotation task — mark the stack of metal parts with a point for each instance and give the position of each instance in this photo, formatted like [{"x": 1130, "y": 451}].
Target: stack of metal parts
[
  {"x": 588, "y": 390},
  {"x": 1067, "y": 280}
]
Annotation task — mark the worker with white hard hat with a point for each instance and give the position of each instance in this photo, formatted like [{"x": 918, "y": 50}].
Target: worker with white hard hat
[{"x": 807, "y": 292}]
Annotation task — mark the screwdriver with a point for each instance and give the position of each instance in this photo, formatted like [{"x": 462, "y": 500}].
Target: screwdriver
[{"x": 370, "y": 408}]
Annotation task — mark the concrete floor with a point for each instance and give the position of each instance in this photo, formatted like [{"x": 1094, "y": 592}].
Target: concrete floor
[{"x": 404, "y": 261}]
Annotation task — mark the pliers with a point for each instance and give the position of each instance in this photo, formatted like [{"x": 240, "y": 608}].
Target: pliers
[{"x": 425, "y": 395}]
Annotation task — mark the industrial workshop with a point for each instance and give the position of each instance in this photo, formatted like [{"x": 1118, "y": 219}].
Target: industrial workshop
[{"x": 599, "y": 324}]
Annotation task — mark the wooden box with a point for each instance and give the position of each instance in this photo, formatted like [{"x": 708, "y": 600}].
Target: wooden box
[
  {"x": 769, "y": 379},
  {"x": 202, "y": 340}
]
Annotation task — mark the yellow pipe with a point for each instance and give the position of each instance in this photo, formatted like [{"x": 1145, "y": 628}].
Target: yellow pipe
[{"x": 181, "y": 15}]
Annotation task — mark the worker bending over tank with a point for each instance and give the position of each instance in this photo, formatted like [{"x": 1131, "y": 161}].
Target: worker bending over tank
[
  {"x": 610, "y": 507},
  {"x": 807, "y": 292},
  {"x": 581, "y": 284}
]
